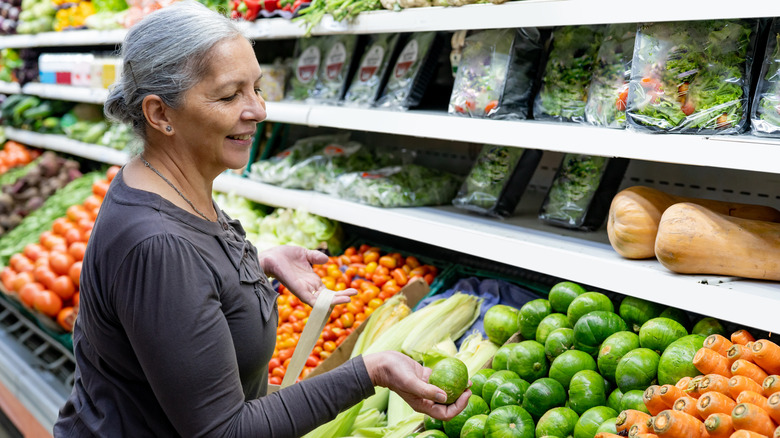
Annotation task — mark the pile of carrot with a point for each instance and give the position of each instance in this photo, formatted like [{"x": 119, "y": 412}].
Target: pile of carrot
[{"x": 736, "y": 396}]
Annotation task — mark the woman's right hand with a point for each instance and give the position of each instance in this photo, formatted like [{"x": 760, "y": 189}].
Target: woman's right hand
[{"x": 409, "y": 379}]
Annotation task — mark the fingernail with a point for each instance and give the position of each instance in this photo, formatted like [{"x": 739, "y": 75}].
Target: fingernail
[{"x": 441, "y": 398}]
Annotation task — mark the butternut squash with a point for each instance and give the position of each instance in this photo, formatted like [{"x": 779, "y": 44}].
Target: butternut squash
[
  {"x": 635, "y": 212},
  {"x": 693, "y": 239}
]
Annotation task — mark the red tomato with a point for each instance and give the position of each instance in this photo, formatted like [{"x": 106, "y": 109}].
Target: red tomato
[
  {"x": 48, "y": 303},
  {"x": 64, "y": 287},
  {"x": 61, "y": 262},
  {"x": 66, "y": 318}
]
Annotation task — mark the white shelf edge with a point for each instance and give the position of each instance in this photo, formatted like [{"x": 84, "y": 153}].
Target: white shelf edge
[
  {"x": 548, "y": 251},
  {"x": 524, "y": 13},
  {"x": 10, "y": 87},
  {"x": 66, "y": 92},
  {"x": 63, "y": 144}
]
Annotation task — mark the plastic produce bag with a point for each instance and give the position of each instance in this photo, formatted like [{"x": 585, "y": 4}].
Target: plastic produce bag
[
  {"x": 272, "y": 82},
  {"x": 413, "y": 70},
  {"x": 335, "y": 68},
  {"x": 765, "y": 114},
  {"x": 398, "y": 186},
  {"x": 582, "y": 191},
  {"x": 278, "y": 169},
  {"x": 305, "y": 68},
  {"x": 371, "y": 72},
  {"x": 336, "y": 160},
  {"x": 497, "y": 180},
  {"x": 496, "y": 74},
  {"x": 567, "y": 76},
  {"x": 692, "y": 77},
  {"x": 608, "y": 92}
]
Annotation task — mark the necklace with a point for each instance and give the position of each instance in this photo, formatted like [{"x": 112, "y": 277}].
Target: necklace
[{"x": 146, "y": 163}]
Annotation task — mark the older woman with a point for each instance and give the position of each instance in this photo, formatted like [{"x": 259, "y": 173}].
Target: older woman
[{"x": 178, "y": 320}]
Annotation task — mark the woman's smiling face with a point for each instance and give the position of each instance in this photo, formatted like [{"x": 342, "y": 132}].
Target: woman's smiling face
[{"x": 218, "y": 116}]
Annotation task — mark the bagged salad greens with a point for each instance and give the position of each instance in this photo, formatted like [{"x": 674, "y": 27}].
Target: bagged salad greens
[
  {"x": 582, "y": 190},
  {"x": 370, "y": 75},
  {"x": 412, "y": 71},
  {"x": 334, "y": 160},
  {"x": 305, "y": 68},
  {"x": 272, "y": 82},
  {"x": 692, "y": 77},
  {"x": 765, "y": 114},
  {"x": 567, "y": 75},
  {"x": 278, "y": 170},
  {"x": 498, "y": 179},
  {"x": 335, "y": 68},
  {"x": 496, "y": 74},
  {"x": 608, "y": 92},
  {"x": 398, "y": 186}
]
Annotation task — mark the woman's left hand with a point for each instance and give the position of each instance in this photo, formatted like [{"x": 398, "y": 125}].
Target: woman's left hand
[{"x": 291, "y": 265}]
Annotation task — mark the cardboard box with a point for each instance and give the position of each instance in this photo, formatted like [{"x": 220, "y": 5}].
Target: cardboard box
[{"x": 414, "y": 292}]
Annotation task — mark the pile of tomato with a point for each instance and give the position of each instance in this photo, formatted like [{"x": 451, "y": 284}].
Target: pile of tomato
[
  {"x": 376, "y": 276},
  {"x": 15, "y": 154},
  {"x": 44, "y": 277}
]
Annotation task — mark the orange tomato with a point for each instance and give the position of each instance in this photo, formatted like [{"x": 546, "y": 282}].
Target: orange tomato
[
  {"x": 49, "y": 240},
  {"x": 76, "y": 212},
  {"x": 278, "y": 372},
  {"x": 412, "y": 262},
  {"x": 92, "y": 202},
  {"x": 374, "y": 303},
  {"x": 28, "y": 292},
  {"x": 22, "y": 264},
  {"x": 74, "y": 272},
  {"x": 100, "y": 188},
  {"x": 7, "y": 277},
  {"x": 273, "y": 363},
  {"x": 388, "y": 262},
  {"x": 400, "y": 277},
  {"x": 61, "y": 262},
  {"x": 61, "y": 225},
  {"x": 419, "y": 271},
  {"x": 44, "y": 275},
  {"x": 73, "y": 235},
  {"x": 329, "y": 346},
  {"x": 76, "y": 300},
  {"x": 77, "y": 250},
  {"x": 429, "y": 278},
  {"x": 48, "y": 303},
  {"x": 66, "y": 318},
  {"x": 21, "y": 279},
  {"x": 273, "y": 380},
  {"x": 111, "y": 172},
  {"x": 347, "y": 319},
  {"x": 370, "y": 256},
  {"x": 64, "y": 287},
  {"x": 33, "y": 251},
  {"x": 380, "y": 279}
]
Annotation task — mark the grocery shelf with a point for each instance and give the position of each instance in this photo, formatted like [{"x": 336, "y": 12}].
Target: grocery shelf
[
  {"x": 60, "y": 143},
  {"x": 10, "y": 88},
  {"x": 66, "y": 92},
  {"x": 482, "y": 16},
  {"x": 525, "y": 242}
]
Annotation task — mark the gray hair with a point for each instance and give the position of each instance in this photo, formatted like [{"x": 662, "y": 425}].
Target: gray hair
[{"x": 165, "y": 54}]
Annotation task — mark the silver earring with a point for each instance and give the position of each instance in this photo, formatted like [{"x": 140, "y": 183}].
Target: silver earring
[{"x": 168, "y": 128}]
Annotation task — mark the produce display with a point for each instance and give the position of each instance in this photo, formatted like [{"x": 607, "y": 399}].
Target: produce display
[
  {"x": 340, "y": 10},
  {"x": 398, "y": 186},
  {"x": 376, "y": 274},
  {"x": 765, "y": 113},
  {"x": 36, "y": 16},
  {"x": 9, "y": 62},
  {"x": 692, "y": 77},
  {"x": 9, "y": 16},
  {"x": 305, "y": 68},
  {"x": 371, "y": 73},
  {"x": 581, "y": 192},
  {"x": 29, "y": 192},
  {"x": 72, "y": 15},
  {"x": 33, "y": 113},
  {"x": 635, "y": 213},
  {"x": 44, "y": 276},
  {"x": 297, "y": 227},
  {"x": 497, "y": 74},
  {"x": 335, "y": 69},
  {"x": 608, "y": 91},
  {"x": 14, "y": 155},
  {"x": 412, "y": 71},
  {"x": 567, "y": 76},
  {"x": 497, "y": 180}
]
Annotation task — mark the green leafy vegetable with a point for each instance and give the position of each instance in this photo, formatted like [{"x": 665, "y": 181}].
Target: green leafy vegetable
[
  {"x": 399, "y": 186},
  {"x": 608, "y": 92},
  {"x": 402, "y": 89},
  {"x": 367, "y": 80},
  {"x": 305, "y": 68},
  {"x": 487, "y": 179},
  {"x": 572, "y": 190},
  {"x": 767, "y": 112}
]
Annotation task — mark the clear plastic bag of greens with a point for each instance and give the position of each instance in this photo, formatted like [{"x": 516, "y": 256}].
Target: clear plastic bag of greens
[
  {"x": 412, "y": 71},
  {"x": 337, "y": 51},
  {"x": 399, "y": 186},
  {"x": 608, "y": 92},
  {"x": 305, "y": 68},
  {"x": 496, "y": 74},
  {"x": 498, "y": 179},
  {"x": 582, "y": 190},
  {"x": 281, "y": 168},
  {"x": 272, "y": 82},
  {"x": 765, "y": 114},
  {"x": 370, "y": 75},
  {"x": 567, "y": 75},
  {"x": 692, "y": 77},
  {"x": 351, "y": 157}
]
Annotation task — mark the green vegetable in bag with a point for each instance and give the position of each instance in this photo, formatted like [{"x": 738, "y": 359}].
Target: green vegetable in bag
[
  {"x": 366, "y": 82},
  {"x": 573, "y": 188},
  {"x": 608, "y": 92},
  {"x": 305, "y": 68},
  {"x": 398, "y": 186}
]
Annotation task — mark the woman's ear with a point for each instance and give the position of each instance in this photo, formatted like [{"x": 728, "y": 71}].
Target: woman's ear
[{"x": 157, "y": 114}]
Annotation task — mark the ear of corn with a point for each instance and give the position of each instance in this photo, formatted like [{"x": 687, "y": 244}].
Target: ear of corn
[
  {"x": 475, "y": 351},
  {"x": 339, "y": 426},
  {"x": 397, "y": 410},
  {"x": 385, "y": 316}
]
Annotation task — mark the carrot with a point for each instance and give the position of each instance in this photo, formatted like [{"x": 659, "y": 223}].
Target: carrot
[
  {"x": 714, "y": 382},
  {"x": 652, "y": 399},
  {"x": 683, "y": 383},
  {"x": 767, "y": 355},
  {"x": 742, "y": 337},
  {"x": 747, "y": 434},
  {"x": 678, "y": 424},
  {"x": 694, "y": 387},
  {"x": 751, "y": 417},
  {"x": 639, "y": 428},
  {"x": 738, "y": 383},
  {"x": 606, "y": 435},
  {"x": 646, "y": 435},
  {"x": 718, "y": 343},
  {"x": 688, "y": 405},
  {"x": 719, "y": 425},
  {"x": 754, "y": 398},
  {"x": 711, "y": 362},
  {"x": 630, "y": 417},
  {"x": 740, "y": 352},
  {"x": 773, "y": 406},
  {"x": 714, "y": 403},
  {"x": 742, "y": 367},
  {"x": 771, "y": 385},
  {"x": 670, "y": 394},
  {"x": 777, "y": 432}
]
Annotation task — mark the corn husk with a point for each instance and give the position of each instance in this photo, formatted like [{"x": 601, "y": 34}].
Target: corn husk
[
  {"x": 397, "y": 410},
  {"x": 475, "y": 351},
  {"x": 442, "y": 350},
  {"x": 369, "y": 418},
  {"x": 338, "y": 427},
  {"x": 405, "y": 427},
  {"x": 385, "y": 316}
]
